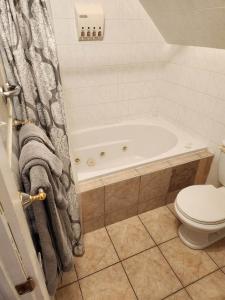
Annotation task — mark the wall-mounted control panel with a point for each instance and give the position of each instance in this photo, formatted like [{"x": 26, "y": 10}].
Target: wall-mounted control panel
[{"x": 90, "y": 21}]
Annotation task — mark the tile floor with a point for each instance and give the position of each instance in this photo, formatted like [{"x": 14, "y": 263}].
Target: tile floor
[{"x": 142, "y": 258}]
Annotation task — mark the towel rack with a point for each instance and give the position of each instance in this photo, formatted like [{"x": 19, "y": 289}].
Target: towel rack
[
  {"x": 7, "y": 93},
  {"x": 27, "y": 199},
  {"x": 18, "y": 123},
  {"x": 11, "y": 90}
]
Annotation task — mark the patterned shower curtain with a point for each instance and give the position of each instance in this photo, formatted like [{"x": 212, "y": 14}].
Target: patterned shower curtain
[{"x": 28, "y": 52}]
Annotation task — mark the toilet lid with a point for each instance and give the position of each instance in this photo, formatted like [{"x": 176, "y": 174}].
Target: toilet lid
[{"x": 203, "y": 204}]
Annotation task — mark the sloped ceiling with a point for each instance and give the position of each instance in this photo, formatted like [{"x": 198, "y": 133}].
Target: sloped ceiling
[{"x": 189, "y": 22}]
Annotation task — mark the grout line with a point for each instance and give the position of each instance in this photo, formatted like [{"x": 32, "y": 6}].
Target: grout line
[
  {"x": 174, "y": 293},
  {"x": 188, "y": 293},
  {"x": 173, "y": 238},
  {"x": 218, "y": 266},
  {"x": 140, "y": 252},
  {"x": 139, "y": 191},
  {"x": 66, "y": 285},
  {"x": 162, "y": 253},
  {"x": 211, "y": 259},
  {"x": 214, "y": 271},
  {"x": 81, "y": 292},
  {"x": 69, "y": 283},
  {"x": 78, "y": 282},
  {"x": 171, "y": 210},
  {"x": 156, "y": 245},
  {"x": 184, "y": 286},
  {"x": 194, "y": 67},
  {"x": 98, "y": 270},
  {"x": 122, "y": 264},
  {"x": 104, "y": 205}
]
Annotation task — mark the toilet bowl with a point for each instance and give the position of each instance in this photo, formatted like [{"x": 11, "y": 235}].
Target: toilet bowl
[{"x": 201, "y": 209}]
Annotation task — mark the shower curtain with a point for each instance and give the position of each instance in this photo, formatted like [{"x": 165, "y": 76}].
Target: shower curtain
[{"x": 28, "y": 52}]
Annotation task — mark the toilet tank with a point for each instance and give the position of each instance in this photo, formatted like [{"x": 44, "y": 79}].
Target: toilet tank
[{"x": 221, "y": 166}]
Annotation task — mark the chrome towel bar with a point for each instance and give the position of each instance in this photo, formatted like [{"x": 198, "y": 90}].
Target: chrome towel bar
[{"x": 11, "y": 91}]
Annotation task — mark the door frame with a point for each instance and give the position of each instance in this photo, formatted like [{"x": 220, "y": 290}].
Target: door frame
[{"x": 14, "y": 214}]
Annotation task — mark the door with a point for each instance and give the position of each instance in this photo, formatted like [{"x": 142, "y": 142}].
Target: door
[{"x": 18, "y": 260}]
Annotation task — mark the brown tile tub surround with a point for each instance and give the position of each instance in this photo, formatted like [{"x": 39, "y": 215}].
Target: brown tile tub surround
[
  {"x": 121, "y": 194},
  {"x": 154, "y": 185},
  {"x": 124, "y": 194},
  {"x": 93, "y": 202}
]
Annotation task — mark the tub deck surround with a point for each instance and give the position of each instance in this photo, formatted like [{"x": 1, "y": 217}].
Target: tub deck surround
[
  {"x": 104, "y": 150},
  {"x": 124, "y": 194},
  {"x": 121, "y": 195}
]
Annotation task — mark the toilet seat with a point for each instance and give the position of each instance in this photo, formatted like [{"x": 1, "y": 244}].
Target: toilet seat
[{"x": 203, "y": 204}]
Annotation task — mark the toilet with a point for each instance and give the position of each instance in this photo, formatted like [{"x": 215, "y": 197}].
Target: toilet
[{"x": 201, "y": 209}]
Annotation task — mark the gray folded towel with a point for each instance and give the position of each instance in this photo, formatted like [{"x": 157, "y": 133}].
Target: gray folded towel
[
  {"x": 35, "y": 150},
  {"x": 41, "y": 168},
  {"x": 30, "y": 132}
]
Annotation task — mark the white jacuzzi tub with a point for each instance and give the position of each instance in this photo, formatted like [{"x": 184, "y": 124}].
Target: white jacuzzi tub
[{"x": 110, "y": 148}]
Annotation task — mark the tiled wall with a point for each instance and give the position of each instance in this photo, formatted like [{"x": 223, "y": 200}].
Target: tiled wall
[
  {"x": 111, "y": 80},
  {"x": 134, "y": 73},
  {"x": 115, "y": 197},
  {"x": 192, "y": 92}
]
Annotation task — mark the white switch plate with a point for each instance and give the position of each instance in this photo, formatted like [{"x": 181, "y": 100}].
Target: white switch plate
[{"x": 90, "y": 21}]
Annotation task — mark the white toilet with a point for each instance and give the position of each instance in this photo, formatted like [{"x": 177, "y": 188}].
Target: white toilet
[{"x": 201, "y": 209}]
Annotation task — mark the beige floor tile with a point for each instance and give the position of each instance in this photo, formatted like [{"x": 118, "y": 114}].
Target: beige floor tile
[
  {"x": 172, "y": 208},
  {"x": 217, "y": 252},
  {"x": 70, "y": 292},
  {"x": 181, "y": 295},
  {"x": 99, "y": 253},
  {"x": 108, "y": 284},
  {"x": 161, "y": 224},
  {"x": 211, "y": 287},
  {"x": 189, "y": 265},
  {"x": 129, "y": 237},
  {"x": 150, "y": 275},
  {"x": 67, "y": 278}
]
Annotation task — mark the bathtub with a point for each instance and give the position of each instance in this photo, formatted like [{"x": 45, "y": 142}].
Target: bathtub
[{"x": 103, "y": 150}]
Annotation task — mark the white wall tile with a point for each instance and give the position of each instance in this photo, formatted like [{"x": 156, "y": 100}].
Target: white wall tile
[
  {"x": 62, "y": 9},
  {"x": 88, "y": 77},
  {"x": 133, "y": 72},
  {"x": 65, "y": 31},
  {"x": 91, "y": 95}
]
